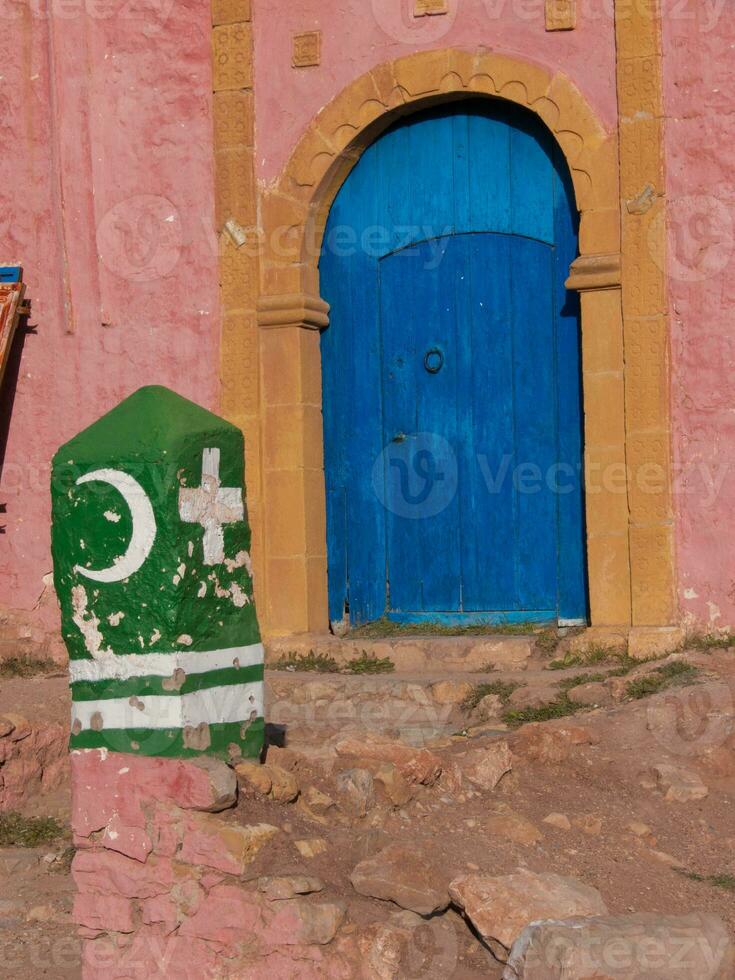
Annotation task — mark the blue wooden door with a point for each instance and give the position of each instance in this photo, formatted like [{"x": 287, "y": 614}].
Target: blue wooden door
[{"x": 451, "y": 376}]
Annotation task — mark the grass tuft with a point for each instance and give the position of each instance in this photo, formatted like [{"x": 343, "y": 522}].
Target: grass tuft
[
  {"x": 547, "y": 642},
  {"x": 595, "y": 656},
  {"x": 19, "y": 831},
  {"x": 502, "y": 689},
  {"x": 726, "y": 881},
  {"x": 569, "y": 682},
  {"x": 317, "y": 662},
  {"x": 706, "y": 642},
  {"x": 320, "y": 663},
  {"x": 561, "y": 708},
  {"x": 675, "y": 674},
  {"x": 366, "y": 664},
  {"x": 26, "y": 667}
]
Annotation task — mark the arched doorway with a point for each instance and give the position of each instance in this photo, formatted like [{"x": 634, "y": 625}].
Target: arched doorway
[{"x": 451, "y": 375}]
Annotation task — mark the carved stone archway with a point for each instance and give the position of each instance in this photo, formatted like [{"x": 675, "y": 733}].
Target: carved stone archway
[{"x": 290, "y": 314}]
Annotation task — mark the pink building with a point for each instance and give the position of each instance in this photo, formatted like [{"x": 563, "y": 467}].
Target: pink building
[{"x": 167, "y": 171}]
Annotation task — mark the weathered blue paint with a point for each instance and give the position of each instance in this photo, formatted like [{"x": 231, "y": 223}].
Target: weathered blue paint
[{"x": 451, "y": 376}]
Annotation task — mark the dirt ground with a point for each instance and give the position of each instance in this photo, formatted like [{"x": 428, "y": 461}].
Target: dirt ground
[{"x": 602, "y": 788}]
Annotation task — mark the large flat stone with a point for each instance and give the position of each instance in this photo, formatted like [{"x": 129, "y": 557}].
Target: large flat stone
[
  {"x": 625, "y": 947},
  {"x": 501, "y": 907}
]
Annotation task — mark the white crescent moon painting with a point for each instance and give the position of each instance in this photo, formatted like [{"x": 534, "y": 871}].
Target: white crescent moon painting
[{"x": 144, "y": 526}]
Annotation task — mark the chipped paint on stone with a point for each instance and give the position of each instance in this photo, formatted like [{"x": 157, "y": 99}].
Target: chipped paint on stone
[
  {"x": 176, "y": 642},
  {"x": 163, "y": 712},
  {"x": 212, "y": 506},
  {"x": 88, "y": 624},
  {"x": 239, "y": 598},
  {"x": 124, "y": 666},
  {"x": 241, "y": 559}
]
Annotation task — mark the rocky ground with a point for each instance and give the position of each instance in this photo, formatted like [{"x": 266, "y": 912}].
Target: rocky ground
[{"x": 428, "y": 825}]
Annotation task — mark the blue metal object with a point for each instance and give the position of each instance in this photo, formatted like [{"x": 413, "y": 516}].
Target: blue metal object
[
  {"x": 451, "y": 376},
  {"x": 11, "y": 273}
]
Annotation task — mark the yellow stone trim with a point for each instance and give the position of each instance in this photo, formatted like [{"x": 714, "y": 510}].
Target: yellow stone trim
[
  {"x": 595, "y": 272},
  {"x": 628, "y": 538},
  {"x": 293, "y": 309},
  {"x": 293, "y": 215},
  {"x": 235, "y": 220},
  {"x": 645, "y": 310}
]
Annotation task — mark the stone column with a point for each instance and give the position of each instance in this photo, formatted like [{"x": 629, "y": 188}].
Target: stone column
[
  {"x": 645, "y": 312},
  {"x": 293, "y": 462},
  {"x": 597, "y": 279}
]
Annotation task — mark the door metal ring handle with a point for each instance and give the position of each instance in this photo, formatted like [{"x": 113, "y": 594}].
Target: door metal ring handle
[{"x": 434, "y": 360}]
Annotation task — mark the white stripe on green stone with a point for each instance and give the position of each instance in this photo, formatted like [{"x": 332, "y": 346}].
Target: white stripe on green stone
[
  {"x": 125, "y": 666},
  {"x": 215, "y": 705}
]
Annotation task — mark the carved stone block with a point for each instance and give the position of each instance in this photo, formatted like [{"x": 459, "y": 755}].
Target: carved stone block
[
  {"x": 429, "y": 8},
  {"x": 561, "y": 15},
  {"x": 307, "y": 49},
  {"x": 232, "y": 61},
  {"x": 230, "y": 11}
]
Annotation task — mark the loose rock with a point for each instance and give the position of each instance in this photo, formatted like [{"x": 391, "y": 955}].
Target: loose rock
[
  {"x": 415, "y": 765},
  {"x": 355, "y": 788},
  {"x": 486, "y": 766},
  {"x": 398, "y": 790},
  {"x": 679, "y": 785},
  {"x": 450, "y": 692},
  {"x": 489, "y": 708},
  {"x": 514, "y": 827},
  {"x": 256, "y": 776},
  {"x": 550, "y": 742},
  {"x": 558, "y": 820},
  {"x": 501, "y": 907},
  {"x": 533, "y": 697},
  {"x": 633, "y": 947},
  {"x": 284, "y": 788},
  {"x": 403, "y": 876},
  {"x": 310, "y": 847}
]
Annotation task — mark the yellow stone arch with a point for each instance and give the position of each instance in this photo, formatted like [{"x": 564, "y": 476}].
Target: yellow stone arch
[{"x": 291, "y": 312}]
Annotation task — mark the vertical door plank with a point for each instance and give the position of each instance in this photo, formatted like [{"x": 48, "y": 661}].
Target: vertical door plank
[
  {"x": 535, "y": 422},
  {"x": 570, "y": 499},
  {"x": 487, "y": 499}
]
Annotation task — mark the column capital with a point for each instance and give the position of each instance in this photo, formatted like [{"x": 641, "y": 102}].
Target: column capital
[
  {"x": 293, "y": 310},
  {"x": 595, "y": 272}
]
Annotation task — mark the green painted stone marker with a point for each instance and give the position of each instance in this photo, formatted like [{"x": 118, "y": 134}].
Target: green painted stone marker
[{"x": 151, "y": 550}]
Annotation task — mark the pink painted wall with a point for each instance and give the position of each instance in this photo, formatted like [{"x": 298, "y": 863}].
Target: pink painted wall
[
  {"x": 107, "y": 199},
  {"x": 700, "y": 148},
  {"x": 105, "y": 127},
  {"x": 359, "y": 34}
]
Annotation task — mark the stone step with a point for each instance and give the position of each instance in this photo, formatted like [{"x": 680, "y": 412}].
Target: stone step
[
  {"x": 309, "y": 706},
  {"x": 464, "y": 653}
]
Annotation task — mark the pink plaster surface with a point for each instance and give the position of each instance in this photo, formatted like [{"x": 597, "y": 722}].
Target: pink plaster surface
[
  {"x": 699, "y": 48},
  {"x": 106, "y": 185},
  {"x": 359, "y": 34}
]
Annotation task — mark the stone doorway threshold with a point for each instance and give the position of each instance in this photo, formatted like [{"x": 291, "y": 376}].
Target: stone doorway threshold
[
  {"x": 472, "y": 653},
  {"x": 417, "y": 687}
]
